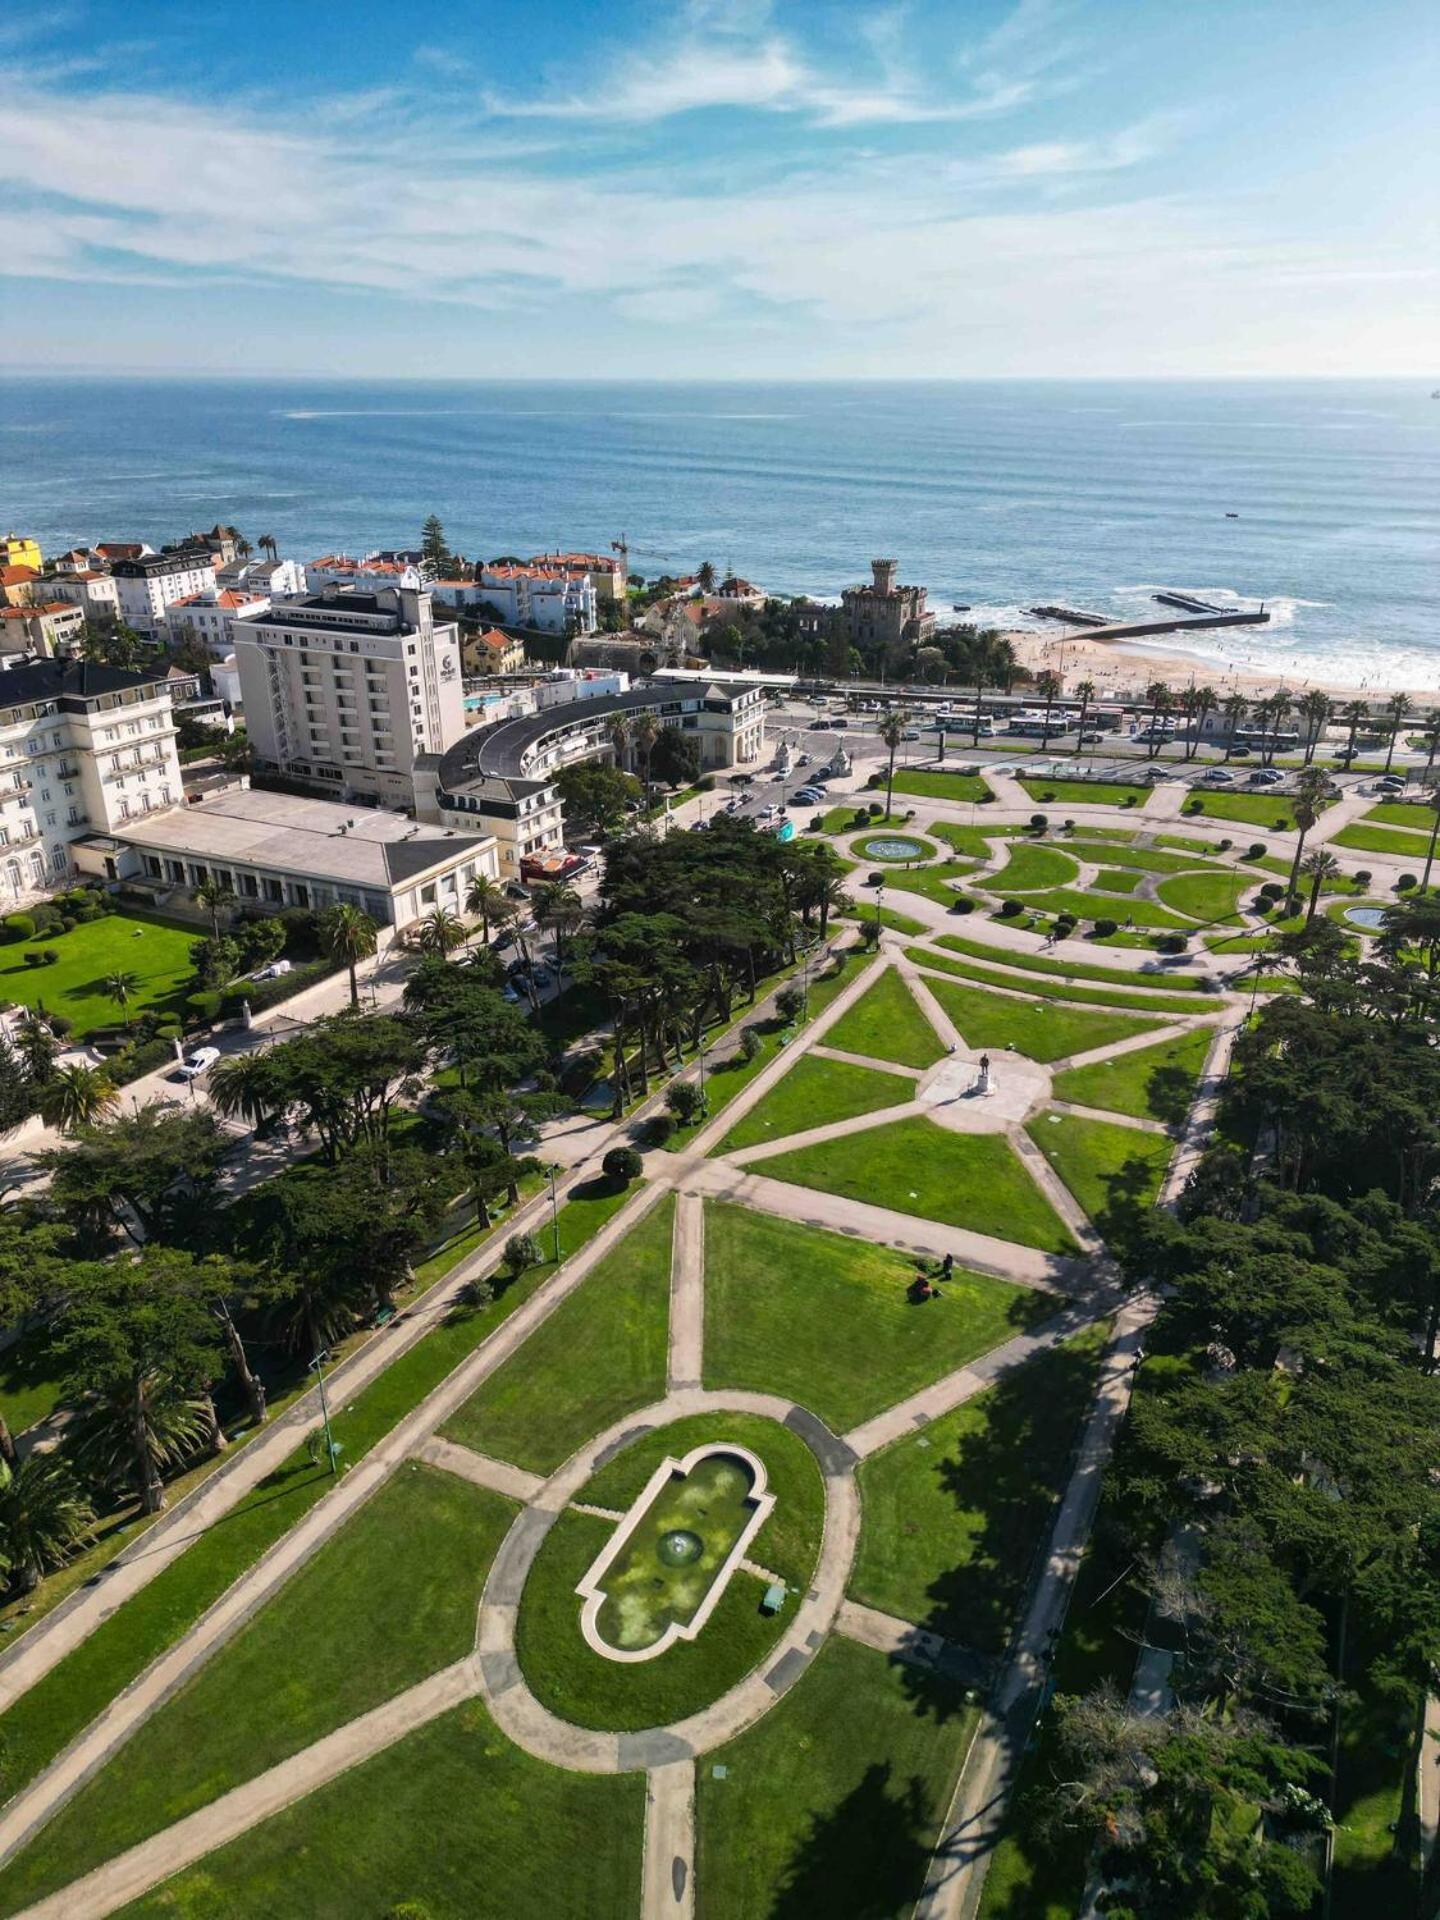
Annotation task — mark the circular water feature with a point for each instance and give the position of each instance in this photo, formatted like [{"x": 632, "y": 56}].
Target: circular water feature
[
  {"x": 895, "y": 847},
  {"x": 1370, "y": 918},
  {"x": 679, "y": 1547}
]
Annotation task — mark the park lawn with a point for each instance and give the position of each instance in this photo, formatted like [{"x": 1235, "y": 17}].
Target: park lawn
[
  {"x": 1402, "y": 813},
  {"x": 1157, "y": 1083},
  {"x": 915, "y": 1167},
  {"x": 827, "y": 1321},
  {"x": 865, "y": 846},
  {"x": 832, "y": 1803},
  {"x": 155, "y": 951},
  {"x": 952, "y": 1515},
  {"x": 582, "y": 1686},
  {"x": 864, "y": 914},
  {"x": 1274, "y": 811},
  {"x": 49, "y": 1715},
  {"x": 814, "y": 1093},
  {"x": 847, "y": 819},
  {"x": 598, "y": 1356},
  {"x": 1081, "y": 905},
  {"x": 403, "y": 1575},
  {"x": 1066, "y": 969},
  {"x": 1032, "y": 867},
  {"x": 1086, "y": 793},
  {"x": 975, "y": 843},
  {"x": 1362, "y": 839},
  {"x": 1144, "y": 859},
  {"x": 452, "y": 1817},
  {"x": 886, "y": 1023},
  {"x": 1115, "y": 1172},
  {"x": 932, "y": 882},
  {"x": 1205, "y": 896},
  {"x": 1037, "y": 1873},
  {"x": 1044, "y": 989},
  {"x": 32, "y": 1380},
  {"x": 1045, "y": 1033},
  {"x": 1376, "y": 1866},
  {"x": 1111, "y": 880},
  {"x": 960, "y": 787}
]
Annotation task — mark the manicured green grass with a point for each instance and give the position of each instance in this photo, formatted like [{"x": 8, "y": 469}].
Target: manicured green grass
[
  {"x": 1157, "y": 1083},
  {"x": 390, "y": 1599},
  {"x": 1375, "y": 1858},
  {"x": 1045, "y": 1033},
  {"x": 932, "y": 882},
  {"x": 827, "y": 1320},
  {"x": 846, "y": 819},
  {"x": 598, "y": 1356},
  {"x": 1204, "y": 896},
  {"x": 471, "y": 1238},
  {"x": 1085, "y": 793},
  {"x": 814, "y": 1093},
  {"x": 952, "y": 1515},
  {"x": 31, "y": 1380},
  {"x": 1362, "y": 839},
  {"x": 913, "y": 1166},
  {"x": 156, "y": 951},
  {"x": 1256, "y": 809},
  {"x": 1115, "y": 1172},
  {"x": 452, "y": 1817},
  {"x": 865, "y": 845},
  {"x": 886, "y": 1024},
  {"x": 1032, "y": 867},
  {"x": 960, "y": 787},
  {"x": 831, "y": 1804},
  {"x": 1070, "y": 970},
  {"x": 1081, "y": 905},
  {"x": 1044, "y": 989},
  {"x": 975, "y": 843},
  {"x": 1111, "y": 880},
  {"x": 864, "y": 915},
  {"x": 52, "y": 1712},
  {"x": 1402, "y": 813},
  {"x": 583, "y": 1686},
  {"x": 1143, "y": 859}
]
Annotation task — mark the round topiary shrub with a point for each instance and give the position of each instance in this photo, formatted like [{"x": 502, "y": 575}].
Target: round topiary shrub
[
  {"x": 1226, "y": 845},
  {"x": 817, "y": 823},
  {"x": 1064, "y": 927},
  {"x": 32, "y": 959},
  {"x": 874, "y": 879},
  {"x": 750, "y": 1043},
  {"x": 1282, "y": 823},
  {"x": 1173, "y": 942},
  {"x": 68, "y": 923},
  {"x": 19, "y": 926},
  {"x": 621, "y": 1165},
  {"x": 1009, "y": 909},
  {"x": 1039, "y": 821},
  {"x": 1131, "y": 800},
  {"x": 1363, "y": 877},
  {"x": 1256, "y": 850},
  {"x": 1195, "y": 806},
  {"x": 1069, "y": 826},
  {"x": 1272, "y": 890},
  {"x": 1104, "y": 929},
  {"x": 1407, "y": 883},
  {"x": 662, "y": 1126},
  {"x": 962, "y": 903},
  {"x": 49, "y": 956},
  {"x": 60, "y": 1024},
  {"x": 876, "y": 809}
]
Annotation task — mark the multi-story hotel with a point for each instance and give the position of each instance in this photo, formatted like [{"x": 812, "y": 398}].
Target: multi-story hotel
[
  {"x": 346, "y": 689},
  {"x": 146, "y": 587}
]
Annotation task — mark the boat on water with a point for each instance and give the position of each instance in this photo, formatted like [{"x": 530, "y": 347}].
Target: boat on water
[
  {"x": 960, "y": 606},
  {"x": 1232, "y": 516}
]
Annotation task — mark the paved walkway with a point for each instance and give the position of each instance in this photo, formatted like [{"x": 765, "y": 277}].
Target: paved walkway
[
  {"x": 687, "y": 1293},
  {"x": 916, "y": 1646},
  {"x": 496, "y": 1475},
  {"x": 132, "y": 1874},
  {"x": 668, "y": 1888}
]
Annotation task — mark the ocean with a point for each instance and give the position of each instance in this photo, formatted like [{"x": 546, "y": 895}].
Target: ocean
[{"x": 1000, "y": 495}]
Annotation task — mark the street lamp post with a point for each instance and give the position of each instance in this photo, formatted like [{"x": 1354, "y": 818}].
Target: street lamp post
[
  {"x": 317, "y": 1367},
  {"x": 703, "y": 1107},
  {"x": 554, "y": 1211},
  {"x": 879, "y": 911}
]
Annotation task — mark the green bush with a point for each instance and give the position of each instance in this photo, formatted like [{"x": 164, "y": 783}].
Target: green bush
[
  {"x": 134, "y": 1062},
  {"x": 204, "y": 1006},
  {"x": 522, "y": 1251},
  {"x": 621, "y": 1165},
  {"x": 790, "y": 1002},
  {"x": 684, "y": 1099},
  {"x": 1195, "y": 806},
  {"x": 32, "y": 959},
  {"x": 1131, "y": 800},
  {"x": 1039, "y": 821},
  {"x": 1010, "y": 908},
  {"x": 661, "y": 1128},
  {"x": 1407, "y": 883},
  {"x": 1104, "y": 929},
  {"x": 1256, "y": 850},
  {"x": 1363, "y": 877},
  {"x": 962, "y": 903},
  {"x": 19, "y": 926},
  {"x": 1272, "y": 890},
  {"x": 750, "y": 1043},
  {"x": 1226, "y": 845},
  {"x": 1173, "y": 942}
]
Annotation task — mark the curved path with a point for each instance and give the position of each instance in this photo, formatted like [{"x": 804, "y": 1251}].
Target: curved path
[{"x": 504, "y": 1688}]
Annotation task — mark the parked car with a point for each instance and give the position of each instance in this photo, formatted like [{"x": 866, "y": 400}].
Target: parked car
[
  {"x": 802, "y": 759},
  {"x": 1240, "y": 753},
  {"x": 911, "y": 733},
  {"x": 196, "y": 1063},
  {"x": 819, "y": 726},
  {"x": 276, "y": 970},
  {"x": 1266, "y": 777},
  {"x": 1217, "y": 777}
]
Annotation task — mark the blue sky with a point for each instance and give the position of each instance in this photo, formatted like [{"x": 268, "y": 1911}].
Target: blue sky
[{"x": 752, "y": 190}]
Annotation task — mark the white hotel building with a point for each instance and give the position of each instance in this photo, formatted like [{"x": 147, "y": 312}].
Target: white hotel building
[{"x": 146, "y": 587}]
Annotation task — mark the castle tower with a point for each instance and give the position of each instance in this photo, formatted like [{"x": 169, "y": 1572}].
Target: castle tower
[{"x": 884, "y": 572}]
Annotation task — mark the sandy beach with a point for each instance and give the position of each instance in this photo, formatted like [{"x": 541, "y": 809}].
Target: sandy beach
[{"x": 1123, "y": 668}]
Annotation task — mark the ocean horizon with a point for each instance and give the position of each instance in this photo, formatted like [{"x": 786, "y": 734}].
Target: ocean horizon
[{"x": 995, "y": 494}]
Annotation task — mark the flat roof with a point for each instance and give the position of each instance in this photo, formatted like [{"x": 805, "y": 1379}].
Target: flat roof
[
  {"x": 301, "y": 836},
  {"x": 499, "y": 750}
]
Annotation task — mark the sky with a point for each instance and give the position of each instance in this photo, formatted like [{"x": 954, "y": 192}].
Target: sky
[{"x": 755, "y": 190}]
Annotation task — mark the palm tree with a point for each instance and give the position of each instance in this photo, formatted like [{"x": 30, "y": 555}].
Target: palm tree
[
  {"x": 1086, "y": 691},
  {"x": 267, "y": 543},
  {"x": 214, "y": 894},
  {"x": 1431, "y": 737},
  {"x": 1276, "y": 708},
  {"x": 1319, "y": 867},
  {"x": 1158, "y": 698},
  {"x": 141, "y": 1428},
  {"x": 557, "y": 907},
  {"x": 1234, "y": 709},
  {"x": 1314, "y": 710},
  {"x": 349, "y": 937},
  {"x": 645, "y": 731},
  {"x": 706, "y": 577},
  {"x": 485, "y": 897},
  {"x": 981, "y": 678},
  {"x": 1201, "y": 701},
  {"x": 1355, "y": 714},
  {"x": 1397, "y": 706},
  {"x": 243, "y": 548},
  {"x": 240, "y": 1087},
  {"x": 617, "y": 731},
  {"x": 1048, "y": 685},
  {"x": 440, "y": 932},
  {"x": 1432, "y": 800},
  {"x": 43, "y": 1513},
  {"x": 892, "y": 732},
  {"x": 121, "y": 987},
  {"x": 76, "y": 1098},
  {"x": 1310, "y": 789}
]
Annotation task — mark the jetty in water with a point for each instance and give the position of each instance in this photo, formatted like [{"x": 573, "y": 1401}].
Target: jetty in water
[{"x": 1187, "y": 603}]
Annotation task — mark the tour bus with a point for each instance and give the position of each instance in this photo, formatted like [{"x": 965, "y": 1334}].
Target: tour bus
[
  {"x": 1030, "y": 726},
  {"x": 949, "y": 720}
]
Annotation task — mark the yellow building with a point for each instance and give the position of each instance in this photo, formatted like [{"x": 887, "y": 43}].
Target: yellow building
[{"x": 16, "y": 550}]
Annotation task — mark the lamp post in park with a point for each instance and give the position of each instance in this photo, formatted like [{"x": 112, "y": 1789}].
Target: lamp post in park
[
  {"x": 550, "y": 1172},
  {"x": 879, "y": 911},
  {"x": 317, "y": 1367}
]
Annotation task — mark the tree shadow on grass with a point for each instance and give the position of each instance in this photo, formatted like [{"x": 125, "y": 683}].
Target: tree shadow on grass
[
  {"x": 1006, "y": 1475},
  {"x": 1168, "y": 1093},
  {"x": 1130, "y": 1193},
  {"x": 866, "y": 1858}
]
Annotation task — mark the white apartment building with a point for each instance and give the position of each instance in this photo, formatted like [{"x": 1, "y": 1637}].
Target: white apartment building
[
  {"x": 45, "y": 628},
  {"x": 94, "y": 593},
  {"x": 370, "y": 571},
  {"x": 146, "y": 587},
  {"x": 269, "y": 579},
  {"x": 82, "y": 747},
  {"x": 211, "y": 617},
  {"x": 550, "y": 600},
  {"x": 346, "y": 690}
]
